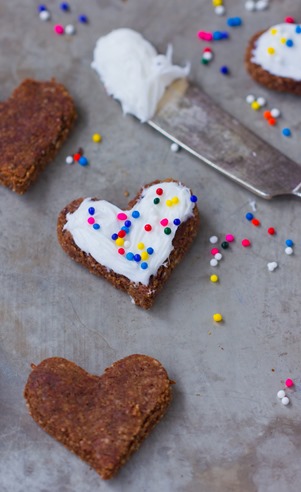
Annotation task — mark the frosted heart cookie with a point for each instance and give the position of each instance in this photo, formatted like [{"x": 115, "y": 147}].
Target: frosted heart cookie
[
  {"x": 273, "y": 58},
  {"x": 34, "y": 123},
  {"x": 135, "y": 249},
  {"x": 102, "y": 419}
]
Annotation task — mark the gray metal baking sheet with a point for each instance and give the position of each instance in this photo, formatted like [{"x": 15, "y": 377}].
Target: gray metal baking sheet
[{"x": 225, "y": 430}]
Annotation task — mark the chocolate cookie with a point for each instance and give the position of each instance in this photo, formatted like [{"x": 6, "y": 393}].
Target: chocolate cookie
[
  {"x": 273, "y": 58},
  {"x": 34, "y": 123},
  {"x": 135, "y": 249},
  {"x": 102, "y": 419}
]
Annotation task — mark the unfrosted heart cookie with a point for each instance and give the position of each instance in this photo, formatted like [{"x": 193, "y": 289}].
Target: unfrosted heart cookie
[
  {"x": 102, "y": 419},
  {"x": 34, "y": 123},
  {"x": 135, "y": 249},
  {"x": 273, "y": 58}
]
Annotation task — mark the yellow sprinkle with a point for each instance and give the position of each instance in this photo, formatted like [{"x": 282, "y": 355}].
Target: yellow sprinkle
[
  {"x": 140, "y": 246},
  {"x": 169, "y": 203},
  {"x": 271, "y": 50},
  {"x": 120, "y": 241},
  {"x": 255, "y": 105},
  {"x": 274, "y": 31},
  {"x": 283, "y": 40},
  {"x": 217, "y": 317},
  {"x": 175, "y": 200},
  {"x": 217, "y": 3},
  {"x": 214, "y": 278},
  {"x": 96, "y": 138},
  {"x": 144, "y": 255}
]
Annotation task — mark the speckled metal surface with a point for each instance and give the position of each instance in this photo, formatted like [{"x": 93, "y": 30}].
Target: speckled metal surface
[{"x": 225, "y": 430}]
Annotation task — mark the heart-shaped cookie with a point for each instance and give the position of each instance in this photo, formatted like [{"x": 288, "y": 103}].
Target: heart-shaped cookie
[
  {"x": 135, "y": 249},
  {"x": 102, "y": 419},
  {"x": 34, "y": 123}
]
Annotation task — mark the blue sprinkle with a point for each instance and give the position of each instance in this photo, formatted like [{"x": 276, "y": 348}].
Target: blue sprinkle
[
  {"x": 193, "y": 198},
  {"x": 65, "y": 6},
  {"x": 91, "y": 210},
  {"x": 234, "y": 21},
  {"x": 96, "y": 226},
  {"x": 224, "y": 70},
  {"x": 144, "y": 265},
  {"x": 150, "y": 250},
  {"x": 137, "y": 258},
  {"x": 128, "y": 223},
  {"x": 290, "y": 43},
  {"x": 114, "y": 236},
  {"x": 83, "y": 19},
  {"x": 225, "y": 35},
  {"x": 42, "y": 8},
  {"x": 136, "y": 214},
  {"x": 83, "y": 161},
  {"x": 249, "y": 216},
  {"x": 298, "y": 29},
  {"x": 286, "y": 132},
  {"x": 289, "y": 242},
  {"x": 217, "y": 35},
  {"x": 126, "y": 229},
  {"x": 177, "y": 222},
  {"x": 129, "y": 256}
]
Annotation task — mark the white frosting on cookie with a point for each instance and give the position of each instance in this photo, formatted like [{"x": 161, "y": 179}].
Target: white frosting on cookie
[
  {"x": 278, "y": 51},
  {"x": 137, "y": 240},
  {"x": 133, "y": 72}
]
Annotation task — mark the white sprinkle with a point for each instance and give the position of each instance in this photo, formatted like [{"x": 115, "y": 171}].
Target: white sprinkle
[
  {"x": 281, "y": 394},
  {"x": 175, "y": 147},
  {"x": 285, "y": 401},
  {"x": 213, "y": 262},
  {"x": 250, "y": 98},
  {"x": 218, "y": 256},
  {"x": 289, "y": 251},
  {"x": 250, "y": 5},
  {"x": 220, "y": 10},
  {"x": 275, "y": 113},
  {"x": 213, "y": 239},
  {"x": 262, "y": 5},
  {"x": 261, "y": 101},
  {"x": 69, "y": 158},
  {"x": 272, "y": 266},
  {"x": 44, "y": 15},
  {"x": 207, "y": 55},
  {"x": 70, "y": 29},
  {"x": 253, "y": 205}
]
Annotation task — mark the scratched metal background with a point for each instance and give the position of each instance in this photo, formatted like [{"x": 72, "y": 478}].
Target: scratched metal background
[{"x": 225, "y": 430}]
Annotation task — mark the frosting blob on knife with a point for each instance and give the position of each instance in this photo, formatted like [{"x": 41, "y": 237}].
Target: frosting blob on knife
[
  {"x": 133, "y": 72},
  {"x": 278, "y": 51},
  {"x": 148, "y": 230}
]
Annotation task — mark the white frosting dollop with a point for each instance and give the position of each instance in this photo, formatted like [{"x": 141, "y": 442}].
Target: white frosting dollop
[
  {"x": 100, "y": 245},
  {"x": 284, "y": 61},
  {"x": 133, "y": 72}
]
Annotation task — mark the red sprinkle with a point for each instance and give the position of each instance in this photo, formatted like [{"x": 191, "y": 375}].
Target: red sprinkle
[
  {"x": 271, "y": 231},
  {"x": 289, "y": 20},
  {"x": 267, "y": 115},
  {"x": 148, "y": 227},
  {"x": 289, "y": 383},
  {"x": 256, "y": 222},
  {"x": 272, "y": 121},
  {"x": 121, "y": 233},
  {"x": 77, "y": 156},
  {"x": 207, "y": 50},
  {"x": 121, "y": 251},
  {"x": 246, "y": 243},
  {"x": 159, "y": 191}
]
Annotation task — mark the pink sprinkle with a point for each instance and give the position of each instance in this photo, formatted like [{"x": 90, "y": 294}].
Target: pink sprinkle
[
  {"x": 214, "y": 251},
  {"x": 289, "y": 20},
  {"x": 91, "y": 220},
  {"x": 58, "y": 29},
  {"x": 164, "y": 222},
  {"x": 246, "y": 243},
  {"x": 206, "y": 36},
  {"x": 229, "y": 238},
  {"x": 289, "y": 383},
  {"x": 122, "y": 216}
]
